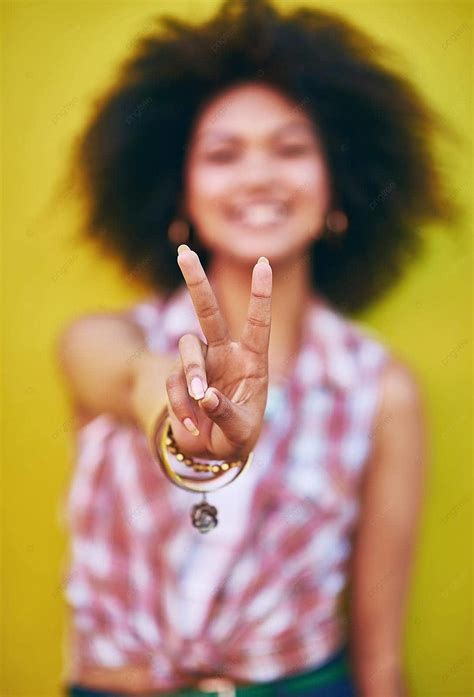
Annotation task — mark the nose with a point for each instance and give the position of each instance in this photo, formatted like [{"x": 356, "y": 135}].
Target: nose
[{"x": 258, "y": 170}]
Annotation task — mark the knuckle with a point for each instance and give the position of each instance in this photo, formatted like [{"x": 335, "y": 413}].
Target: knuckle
[
  {"x": 258, "y": 322},
  {"x": 250, "y": 348},
  {"x": 192, "y": 368},
  {"x": 222, "y": 341},
  {"x": 179, "y": 405},
  {"x": 225, "y": 412},
  {"x": 209, "y": 311},
  {"x": 199, "y": 282},
  {"x": 173, "y": 381}
]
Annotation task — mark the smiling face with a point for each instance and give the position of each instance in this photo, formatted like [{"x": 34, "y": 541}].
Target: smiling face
[{"x": 256, "y": 179}]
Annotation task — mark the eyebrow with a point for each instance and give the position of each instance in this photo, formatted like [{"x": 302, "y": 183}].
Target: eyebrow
[{"x": 226, "y": 135}]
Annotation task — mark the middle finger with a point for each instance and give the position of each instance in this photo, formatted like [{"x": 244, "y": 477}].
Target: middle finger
[{"x": 256, "y": 332}]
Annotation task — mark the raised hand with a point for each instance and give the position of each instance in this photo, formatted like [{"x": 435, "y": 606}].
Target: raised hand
[{"x": 221, "y": 386}]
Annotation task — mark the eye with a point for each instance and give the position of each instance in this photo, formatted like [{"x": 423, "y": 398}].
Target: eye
[
  {"x": 293, "y": 149},
  {"x": 220, "y": 156}
]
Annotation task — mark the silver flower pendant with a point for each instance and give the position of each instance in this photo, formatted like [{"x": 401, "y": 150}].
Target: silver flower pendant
[{"x": 204, "y": 516}]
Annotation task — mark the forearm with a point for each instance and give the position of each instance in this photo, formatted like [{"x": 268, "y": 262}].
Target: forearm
[
  {"x": 375, "y": 638},
  {"x": 381, "y": 676},
  {"x": 148, "y": 395}
]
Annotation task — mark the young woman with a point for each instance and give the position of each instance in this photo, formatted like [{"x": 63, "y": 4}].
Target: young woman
[{"x": 291, "y": 170}]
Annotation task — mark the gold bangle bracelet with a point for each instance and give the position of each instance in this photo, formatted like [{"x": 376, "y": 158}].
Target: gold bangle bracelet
[
  {"x": 194, "y": 483},
  {"x": 203, "y": 515},
  {"x": 160, "y": 452}
]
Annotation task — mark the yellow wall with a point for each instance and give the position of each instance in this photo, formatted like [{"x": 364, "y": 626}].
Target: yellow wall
[{"x": 57, "y": 55}]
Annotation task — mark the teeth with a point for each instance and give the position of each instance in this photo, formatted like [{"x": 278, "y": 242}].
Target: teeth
[{"x": 262, "y": 214}]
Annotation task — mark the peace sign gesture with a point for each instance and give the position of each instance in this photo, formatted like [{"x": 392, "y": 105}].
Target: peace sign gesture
[{"x": 221, "y": 387}]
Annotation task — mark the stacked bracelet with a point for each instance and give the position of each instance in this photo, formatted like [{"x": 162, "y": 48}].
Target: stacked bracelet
[
  {"x": 197, "y": 466},
  {"x": 203, "y": 515}
]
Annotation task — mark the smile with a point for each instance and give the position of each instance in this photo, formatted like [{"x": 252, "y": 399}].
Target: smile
[{"x": 260, "y": 215}]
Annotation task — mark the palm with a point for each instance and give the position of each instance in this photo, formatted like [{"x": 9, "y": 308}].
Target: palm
[
  {"x": 237, "y": 369},
  {"x": 235, "y": 373}
]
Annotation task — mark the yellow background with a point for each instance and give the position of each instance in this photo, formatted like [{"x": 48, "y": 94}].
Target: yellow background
[{"x": 57, "y": 56}]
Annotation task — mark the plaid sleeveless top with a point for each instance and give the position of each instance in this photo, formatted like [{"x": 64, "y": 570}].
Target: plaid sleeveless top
[{"x": 258, "y": 597}]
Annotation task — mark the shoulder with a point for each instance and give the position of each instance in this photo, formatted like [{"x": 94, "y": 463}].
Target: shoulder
[
  {"x": 94, "y": 325},
  {"x": 399, "y": 384},
  {"x": 136, "y": 316},
  {"x": 400, "y": 406},
  {"x": 399, "y": 428},
  {"x": 400, "y": 387}
]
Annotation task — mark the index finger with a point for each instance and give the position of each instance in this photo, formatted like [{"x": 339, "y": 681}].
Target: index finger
[
  {"x": 256, "y": 332},
  {"x": 210, "y": 318}
]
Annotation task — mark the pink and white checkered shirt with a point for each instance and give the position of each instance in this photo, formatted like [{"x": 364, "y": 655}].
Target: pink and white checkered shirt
[{"x": 258, "y": 597}]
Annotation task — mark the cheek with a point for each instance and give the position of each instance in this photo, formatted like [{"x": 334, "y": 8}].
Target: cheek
[
  {"x": 207, "y": 184},
  {"x": 311, "y": 183}
]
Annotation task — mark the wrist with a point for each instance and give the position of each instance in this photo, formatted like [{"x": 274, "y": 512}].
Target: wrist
[{"x": 148, "y": 387}]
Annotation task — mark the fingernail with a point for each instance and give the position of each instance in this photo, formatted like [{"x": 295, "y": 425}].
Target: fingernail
[
  {"x": 182, "y": 248},
  {"x": 211, "y": 401},
  {"x": 197, "y": 388},
  {"x": 190, "y": 426},
  {"x": 263, "y": 259}
]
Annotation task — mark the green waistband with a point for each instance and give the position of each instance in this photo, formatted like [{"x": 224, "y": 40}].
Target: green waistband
[{"x": 323, "y": 675}]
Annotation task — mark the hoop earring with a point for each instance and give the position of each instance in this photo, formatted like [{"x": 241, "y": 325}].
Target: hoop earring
[
  {"x": 336, "y": 223},
  {"x": 179, "y": 232}
]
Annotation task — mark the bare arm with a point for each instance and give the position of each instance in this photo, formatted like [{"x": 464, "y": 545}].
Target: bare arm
[
  {"x": 108, "y": 368},
  {"x": 385, "y": 540}
]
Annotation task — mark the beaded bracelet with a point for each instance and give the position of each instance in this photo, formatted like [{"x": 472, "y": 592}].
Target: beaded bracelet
[
  {"x": 190, "y": 462},
  {"x": 203, "y": 515}
]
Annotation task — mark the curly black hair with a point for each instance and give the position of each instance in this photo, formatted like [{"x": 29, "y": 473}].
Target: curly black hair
[{"x": 376, "y": 129}]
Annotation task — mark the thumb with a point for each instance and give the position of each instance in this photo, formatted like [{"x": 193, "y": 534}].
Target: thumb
[{"x": 227, "y": 415}]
